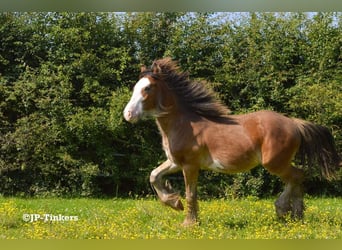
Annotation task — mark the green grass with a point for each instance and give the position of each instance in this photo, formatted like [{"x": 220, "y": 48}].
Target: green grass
[{"x": 147, "y": 219}]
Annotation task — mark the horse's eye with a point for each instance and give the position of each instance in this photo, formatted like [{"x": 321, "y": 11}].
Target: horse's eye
[{"x": 147, "y": 88}]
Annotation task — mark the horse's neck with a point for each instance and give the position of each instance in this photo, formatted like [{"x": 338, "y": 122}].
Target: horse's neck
[
  {"x": 172, "y": 129},
  {"x": 166, "y": 125},
  {"x": 172, "y": 122}
]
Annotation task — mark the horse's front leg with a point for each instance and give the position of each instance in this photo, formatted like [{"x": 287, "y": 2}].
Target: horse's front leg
[
  {"x": 164, "y": 190},
  {"x": 190, "y": 179}
]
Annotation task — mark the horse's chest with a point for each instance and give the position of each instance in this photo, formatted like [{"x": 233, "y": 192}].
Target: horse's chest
[
  {"x": 172, "y": 150},
  {"x": 180, "y": 152}
]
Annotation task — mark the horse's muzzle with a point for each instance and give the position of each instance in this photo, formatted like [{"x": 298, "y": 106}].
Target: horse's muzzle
[{"x": 131, "y": 116}]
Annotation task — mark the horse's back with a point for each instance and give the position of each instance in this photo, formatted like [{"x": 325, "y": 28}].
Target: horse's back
[{"x": 265, "y": 124}]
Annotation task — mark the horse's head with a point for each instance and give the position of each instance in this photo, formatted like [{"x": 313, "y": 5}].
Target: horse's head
[
  {"x": 143, "y": 100},
  {"x": 150, "y": 95}
]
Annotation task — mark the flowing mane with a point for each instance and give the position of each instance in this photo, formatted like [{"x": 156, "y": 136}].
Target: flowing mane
[{"x": 193, "y": 96}]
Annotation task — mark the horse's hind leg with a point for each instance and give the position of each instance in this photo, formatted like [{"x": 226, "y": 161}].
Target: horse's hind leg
[
  {"x": 297, "y": 193},
  {"x": 283, "y": 203},
  {"x": 292, "y": 197}
]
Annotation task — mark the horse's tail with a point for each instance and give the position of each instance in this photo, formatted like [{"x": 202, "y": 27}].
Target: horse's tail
[{"x": 318, "y": 149}]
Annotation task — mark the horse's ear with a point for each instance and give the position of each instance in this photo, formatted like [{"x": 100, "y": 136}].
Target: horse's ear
[
  {"x": 142, "y": 68},
  {"x": 155, "y": 68}
]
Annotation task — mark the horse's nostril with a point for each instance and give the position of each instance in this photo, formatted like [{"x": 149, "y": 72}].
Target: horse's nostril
[{"x": 128, "y": 115}]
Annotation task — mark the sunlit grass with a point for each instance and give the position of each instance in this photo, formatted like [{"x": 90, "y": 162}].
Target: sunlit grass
[{"x": 247, "y": 218}]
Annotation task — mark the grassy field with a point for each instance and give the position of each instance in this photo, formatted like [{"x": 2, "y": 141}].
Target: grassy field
[{"x": 248, "y": 218}]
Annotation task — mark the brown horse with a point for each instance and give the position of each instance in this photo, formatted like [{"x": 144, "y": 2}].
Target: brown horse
[{"x": 198, "y": 133}]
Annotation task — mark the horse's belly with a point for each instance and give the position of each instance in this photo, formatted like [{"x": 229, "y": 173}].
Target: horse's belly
[
  {"x": 217, "y": 167},
  {"x": 234, "y": 166}
]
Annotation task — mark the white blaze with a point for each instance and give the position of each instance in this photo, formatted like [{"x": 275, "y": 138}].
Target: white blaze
[{"x": 133, "y": 109}]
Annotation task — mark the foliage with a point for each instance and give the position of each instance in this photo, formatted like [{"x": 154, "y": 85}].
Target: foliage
[
  {"x": 65, "y": 79},
  {"x": 247, "y": 218}
]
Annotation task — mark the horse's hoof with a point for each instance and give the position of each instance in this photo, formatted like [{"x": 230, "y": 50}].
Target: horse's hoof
[
  {"x": 179, "y": 205},
  {"x": 173, "y": 201},
  {"x": 190, "y": 223},
  {"x": 176, "y": 205}
]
